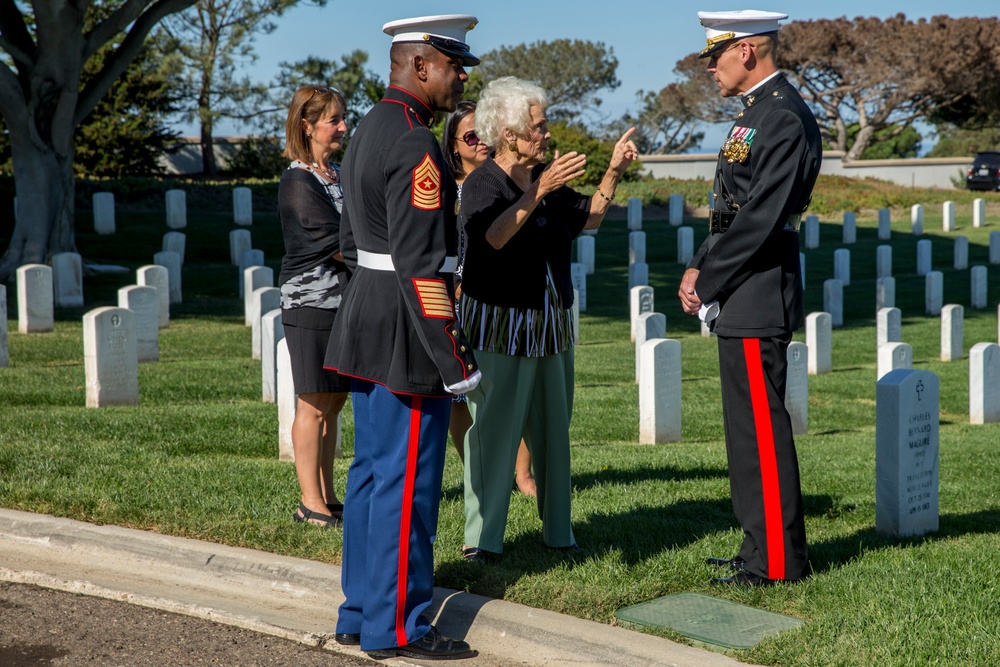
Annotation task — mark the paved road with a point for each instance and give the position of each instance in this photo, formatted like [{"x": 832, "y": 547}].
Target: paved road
[{"x": 40, "y": 626}]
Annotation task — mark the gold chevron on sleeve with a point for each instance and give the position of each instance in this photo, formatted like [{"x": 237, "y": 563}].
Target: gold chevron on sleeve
[
  {"x": 427, "y": 185},
  {"x": 433, "y": 297}
]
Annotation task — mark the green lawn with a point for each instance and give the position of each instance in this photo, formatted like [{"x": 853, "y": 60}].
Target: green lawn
[{"x": 198, "y": 456}]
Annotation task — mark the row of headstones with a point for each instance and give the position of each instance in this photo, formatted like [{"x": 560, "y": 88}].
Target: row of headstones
[
  {"x": 849, "y": 233},
  {"x": 176, "y": 205},
  {"x": 660, "y": 391},
  {"x": 883, "y": 258}
]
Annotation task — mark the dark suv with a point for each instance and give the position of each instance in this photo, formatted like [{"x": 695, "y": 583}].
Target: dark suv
[{"x": 984, "y": 172}]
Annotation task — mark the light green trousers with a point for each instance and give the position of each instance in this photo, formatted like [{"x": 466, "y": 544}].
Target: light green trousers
[{"x": 529, "y": 396}]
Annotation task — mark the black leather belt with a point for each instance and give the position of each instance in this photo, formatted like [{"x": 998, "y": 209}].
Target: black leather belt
[{"x": 719, "y": 221}]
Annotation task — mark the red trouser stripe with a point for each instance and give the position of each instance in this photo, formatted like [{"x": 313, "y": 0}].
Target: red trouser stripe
[
  {"x": 768, "y": 460},
  {"x": 404, "y": 521}
]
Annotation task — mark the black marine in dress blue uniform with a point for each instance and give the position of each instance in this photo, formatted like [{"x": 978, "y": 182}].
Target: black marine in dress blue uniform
[
  {"x": 397, "y": 336},
  {"x": 750, "y": 265}
]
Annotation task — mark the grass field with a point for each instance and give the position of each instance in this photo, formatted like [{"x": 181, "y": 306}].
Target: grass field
[{"x": 198, "y": 456}]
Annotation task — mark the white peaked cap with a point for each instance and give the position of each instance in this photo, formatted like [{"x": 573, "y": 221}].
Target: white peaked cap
[
  {"x": 720, "y": 27},
  {"x": 445, "y": 32}
]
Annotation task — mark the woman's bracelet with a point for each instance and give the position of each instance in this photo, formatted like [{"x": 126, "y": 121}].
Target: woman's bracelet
[{"x": 605, "y": 197}]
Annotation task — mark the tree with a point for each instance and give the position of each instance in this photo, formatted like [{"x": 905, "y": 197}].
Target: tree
[
  {"x": 261, "y": 155},
  {"x": 213, "y": 38},
  {"x": 126, "y": 134},
  {"x": 42, "y": 102},
  {"x": 884, "y": 75},
  {"x": 571, "y": 71},
  {"x": 668, "y": 120}
]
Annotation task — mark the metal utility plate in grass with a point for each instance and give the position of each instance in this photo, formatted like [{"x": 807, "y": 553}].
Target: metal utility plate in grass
[{"x": 710, "y": 620}]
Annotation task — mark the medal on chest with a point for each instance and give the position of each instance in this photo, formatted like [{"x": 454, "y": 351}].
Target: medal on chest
[{"x": 737, "y": 146}]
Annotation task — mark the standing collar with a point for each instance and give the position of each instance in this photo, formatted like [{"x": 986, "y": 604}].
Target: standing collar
[
  {"x": 402, "y": 96},
  {"x": 765, "y": 87}
]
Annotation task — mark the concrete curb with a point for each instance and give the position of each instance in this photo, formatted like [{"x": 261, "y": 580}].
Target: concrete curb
[{"x": 297, "y": 599}]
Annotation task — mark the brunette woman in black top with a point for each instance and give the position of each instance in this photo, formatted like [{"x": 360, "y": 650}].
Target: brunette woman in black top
[{"x": 312, "y": 278}]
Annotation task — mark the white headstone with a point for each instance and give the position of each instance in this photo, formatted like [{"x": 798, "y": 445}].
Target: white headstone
[
  {"x": 104, "y": 212},
  {"x": 706, "y": 332},
  {"x": 634, "y": 213},
  {"x": 961, "y": 252},
  {"x": 176, "y": 209},
  {"x": 883, "y": 261},
  {"x": 819, "y": 343},
  {"x": 4, "y": 349},
  {"x": 850, "y": 231},
  {"x": 35, "y": 305},
  {"x": 948, "y": 216},
  {"x": 144, "y": 302},
  {"x": 802, "y": 268},
  {"x": 638, "y": 274},
  {"x": 676, "y": 210},
  {"x": 797, "y": 386},
  {"x": 660, "y": 391},
  {"x": 172, "y": 262},
  {"x": 650, "y": 326},
  {"x": 685, "y": 245},
  {"x": 67, "y": 280},
  {"x": 636, "y": 247},
  {"x": 885, "y": 293},
  {"x": 271, "y": 332},
  {"x": 249, "y": 258},
  {"x": 888, "y": 326},
  {"x": 242, "y": 206},
  {"x": 110, "y": 358},
  {"x": 994, "y": 247},
  {"x": 833, "y": 301},
  {"x": 287, "y": 402},
  {"x": 842, "y": 266},
  {"x": 262, "y": 300},
  {"x": 640, "y": 302},
  {"x": 933, "y": 292},
  {"x": 892, "y": 356},
  {"x": 923, "y": 257},
  {"x": 979, "y": 212},
  {"x": 158, "y": 277},
  {"x": 952, "y": 332},
  {"x": 575, "y": 317},
  {"x": 254, "y": 278},
  {"x": 884, "y": 224},
  {"x": 917, "y": 219},
  {"x": 239, "y": 243},
  {"x": 175, "y": 242},
  {"x": 578, "y": 274},
  {"x": 585, "y": 252},
  {"x": 979, "y": 287},
  {"x": 984, "y": 383},
  {"x": 906, "y": 453},
  {"x": 812, "y": 231}
]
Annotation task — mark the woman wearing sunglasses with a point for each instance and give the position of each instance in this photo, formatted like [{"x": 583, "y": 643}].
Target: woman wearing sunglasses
[{"x": 465, "y": 152}]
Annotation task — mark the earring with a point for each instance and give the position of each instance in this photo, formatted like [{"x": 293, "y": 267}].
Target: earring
[{"x": 512, "y": 147}]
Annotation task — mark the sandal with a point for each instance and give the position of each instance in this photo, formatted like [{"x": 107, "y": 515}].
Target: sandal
[
  {"x": 308, "y": 516},
  {"x": 475, "y": 554}
]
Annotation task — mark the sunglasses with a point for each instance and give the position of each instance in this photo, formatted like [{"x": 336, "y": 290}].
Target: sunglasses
[{"x": 470, "y": 138}]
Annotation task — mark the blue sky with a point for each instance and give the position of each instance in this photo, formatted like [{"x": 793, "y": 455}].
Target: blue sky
[{"x": 648, "y": 36}]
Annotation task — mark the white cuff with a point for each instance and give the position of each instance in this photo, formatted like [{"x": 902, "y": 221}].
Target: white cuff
[
  {"x": 708, "y": 311},
  {"x": 468, "y": 384}
]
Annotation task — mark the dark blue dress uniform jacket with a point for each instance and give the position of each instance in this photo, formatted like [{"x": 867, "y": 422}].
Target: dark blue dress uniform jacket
[
  {"x": 753, "y": 268},
  {"x": 398, "y": 328}
]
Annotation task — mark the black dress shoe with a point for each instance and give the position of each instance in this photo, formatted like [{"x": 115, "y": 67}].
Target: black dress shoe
[
  {"x": 735, "y": 563},
  {"x": 347, "y": 639},
  {"x": 432, "y": 646},
  {"x": 745, "y": 578},
  {"x": 476, "y": 555}
]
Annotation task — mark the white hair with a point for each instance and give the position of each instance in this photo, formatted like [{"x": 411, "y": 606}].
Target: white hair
[{"x": 506, "y": 104}]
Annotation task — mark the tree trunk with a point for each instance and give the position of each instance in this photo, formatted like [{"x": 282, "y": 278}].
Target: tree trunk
[
  {"x": 45, "y": 193},
  {"x": 208, "y": 164},
  {"x": 861, "y": 142}
]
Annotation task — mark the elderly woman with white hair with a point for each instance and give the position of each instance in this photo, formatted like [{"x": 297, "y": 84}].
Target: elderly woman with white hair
[{"x": 520, "y": 221}]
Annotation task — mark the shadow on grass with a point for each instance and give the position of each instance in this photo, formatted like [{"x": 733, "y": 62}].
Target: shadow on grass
[
  {"x": 631, "y": 537},
  {"x": 831, "y": 554}
]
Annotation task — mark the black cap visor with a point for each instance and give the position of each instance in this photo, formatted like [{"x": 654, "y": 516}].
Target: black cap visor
[{"x": 453, "y": 48}]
